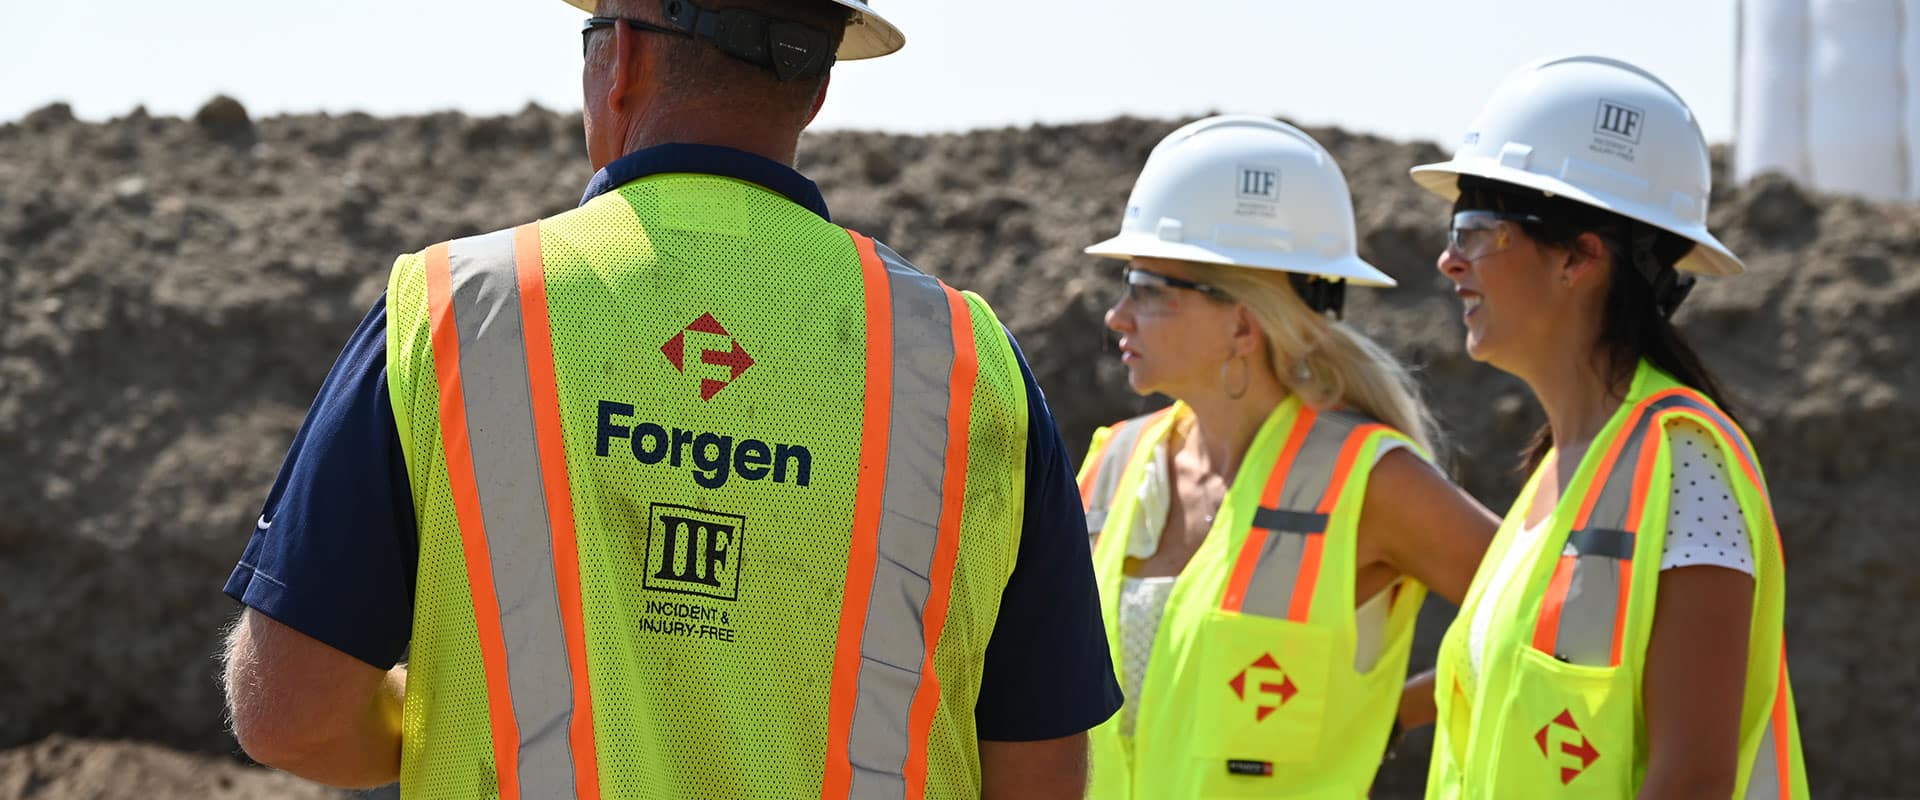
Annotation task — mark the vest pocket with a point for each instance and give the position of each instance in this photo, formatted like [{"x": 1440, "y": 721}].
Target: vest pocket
[
  {"x": 1568, "y": 732},
  {"x": 1261, "y": 701}
]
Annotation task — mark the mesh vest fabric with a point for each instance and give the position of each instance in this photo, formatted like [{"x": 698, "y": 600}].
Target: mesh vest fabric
[
  {"x": 1551, "y": 717},
  {"x": 709, "y": 347},
  {"x": 1245, "y": 697}
]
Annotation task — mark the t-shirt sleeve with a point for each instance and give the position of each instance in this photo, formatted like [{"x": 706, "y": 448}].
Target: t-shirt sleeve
[
  {"x": 1705, "y": 527},
  {"x": 1048, "y": 669},
  {"x": 334, "y": 550}
]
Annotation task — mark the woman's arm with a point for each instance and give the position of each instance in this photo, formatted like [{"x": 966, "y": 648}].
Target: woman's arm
[
  {"x": 1422, "y": 525},
  {"x": 1695, "y": 682}
]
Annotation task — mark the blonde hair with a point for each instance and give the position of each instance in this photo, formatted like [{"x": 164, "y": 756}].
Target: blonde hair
[{"x": 1344, "y": 368}]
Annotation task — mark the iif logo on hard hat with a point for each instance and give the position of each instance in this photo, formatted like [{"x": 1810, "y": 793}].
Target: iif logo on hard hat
[
  {"x": 1618, "y": 126},
  {"x": 1256, "y": 191},
  {"x": 1259, "y": 183},
  {"x": 1619, "y": 119}
]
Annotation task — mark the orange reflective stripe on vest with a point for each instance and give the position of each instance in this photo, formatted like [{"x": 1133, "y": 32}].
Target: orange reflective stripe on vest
[
  {"x": 501, "y": 423},
  {"x": 1279, "y": 564},
  {"x": 920, "y": 366}
]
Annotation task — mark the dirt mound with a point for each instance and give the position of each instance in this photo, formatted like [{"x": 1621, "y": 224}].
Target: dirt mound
[
  {"x": 61, "y": 768},
  {"x": 173, "y": 291}
]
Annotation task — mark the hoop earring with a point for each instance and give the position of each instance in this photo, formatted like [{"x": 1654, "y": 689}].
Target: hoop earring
[{"x": 1246, "y": 377}]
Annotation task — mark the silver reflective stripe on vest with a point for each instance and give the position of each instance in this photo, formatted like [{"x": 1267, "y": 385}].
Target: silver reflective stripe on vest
[
  {"x": 893, "y": 644},
  {"x": 1112, "y": 467},
  {"x": 1270, "y": 590},
  {"x": 1763, "y": 781},
  {"x": 506, "y": 468},
  {"x": 1604, "y": 548}
]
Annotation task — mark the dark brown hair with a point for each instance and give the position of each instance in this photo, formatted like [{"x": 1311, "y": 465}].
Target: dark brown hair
[{"x": 1645, "y": 290}]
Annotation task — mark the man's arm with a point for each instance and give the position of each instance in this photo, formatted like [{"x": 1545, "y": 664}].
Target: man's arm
[
  {"x": 1042, "y": 770},
  {"x": 306, "y": 708},
  {"x": 327, "y": 581},
  {"x": 1048, "y": 676}
]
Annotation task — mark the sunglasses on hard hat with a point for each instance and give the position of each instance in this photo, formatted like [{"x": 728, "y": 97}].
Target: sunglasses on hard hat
[
  {"x": 1479, "y": 233},
  {"x": 1151, "y": 292}
]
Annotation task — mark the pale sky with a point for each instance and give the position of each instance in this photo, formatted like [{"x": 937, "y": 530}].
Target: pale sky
[{"x": 1405, "y": 69}]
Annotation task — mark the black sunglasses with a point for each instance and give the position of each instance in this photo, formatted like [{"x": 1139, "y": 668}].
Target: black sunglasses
[{"x": 596, "y": 23}]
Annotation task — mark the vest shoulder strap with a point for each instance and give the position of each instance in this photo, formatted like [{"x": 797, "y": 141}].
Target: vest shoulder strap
[
  {"x": 1584, "y": 614},
  {"x": 1278, "y": 568},
  {"x": 1098, "y": 485}
]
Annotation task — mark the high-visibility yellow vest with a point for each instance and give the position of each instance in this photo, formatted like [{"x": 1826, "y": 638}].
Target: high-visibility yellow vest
[
  {"x": 1251, "y": 688},
  {"x": 1555, "y": 710},
  {"x": 715, "y": 499}
]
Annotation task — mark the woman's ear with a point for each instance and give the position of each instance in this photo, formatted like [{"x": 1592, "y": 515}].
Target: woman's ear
[
  {"x": 1247, "y": 336},
  {"x": 1587, "y": 257}
]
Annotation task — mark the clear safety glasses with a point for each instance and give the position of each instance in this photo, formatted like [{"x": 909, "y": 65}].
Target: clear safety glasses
[
  {"x": 1151, "y": 292},
  {"x": 1480, "y": 233}
]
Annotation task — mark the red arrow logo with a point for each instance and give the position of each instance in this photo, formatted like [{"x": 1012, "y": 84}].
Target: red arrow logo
[
  {"x": 1584, "y": 751},
  {"x": 1284, "y": 690},
  {"x": 738, "y": 360},
  {"x": 734, "y": 359}
]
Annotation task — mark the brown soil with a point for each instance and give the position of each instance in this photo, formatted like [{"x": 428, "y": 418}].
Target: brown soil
[
  {"x": 172, "y": 292},
  {"x": 60, "y": 768}
]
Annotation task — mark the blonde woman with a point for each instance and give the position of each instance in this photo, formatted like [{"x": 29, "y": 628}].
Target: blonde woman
[
  {"x": 1624, "y": 637},
  {"x": 1264, "y": 544}
]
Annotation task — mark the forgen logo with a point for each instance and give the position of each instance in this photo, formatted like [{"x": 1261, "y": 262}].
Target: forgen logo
[
  {"x": 715, "y": 457},
  {"x": 1573, "y": 742},
  {"x": 734, "y": 357},
  {"x": 1617, "y": 127},
  {"x": 1268, "y": 694}
]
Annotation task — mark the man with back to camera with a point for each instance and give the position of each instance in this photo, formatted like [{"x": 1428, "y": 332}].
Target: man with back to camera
[{"x": 686, "y": 492}]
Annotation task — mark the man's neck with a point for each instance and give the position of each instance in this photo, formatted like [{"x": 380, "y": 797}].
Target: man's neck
[{"x": 724, "y": 130}]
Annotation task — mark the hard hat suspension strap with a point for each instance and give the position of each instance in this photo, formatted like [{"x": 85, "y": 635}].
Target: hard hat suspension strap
[
  {"x": 1323, "y": 295},
  {"x": 790, "y": 49}
]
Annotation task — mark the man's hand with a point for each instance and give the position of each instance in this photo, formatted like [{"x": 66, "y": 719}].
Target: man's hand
[{"x": 301, "y": 706}]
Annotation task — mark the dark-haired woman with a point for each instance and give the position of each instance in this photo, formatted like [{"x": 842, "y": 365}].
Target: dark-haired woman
[{"x": 1623, "y": 635}]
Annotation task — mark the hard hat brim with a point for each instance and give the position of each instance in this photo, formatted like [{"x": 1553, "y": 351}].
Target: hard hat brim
[
  {"x": 869, "y": 35},
  {"x": 1350, "y": 268},
  {"x": 1709, "y": 257}
]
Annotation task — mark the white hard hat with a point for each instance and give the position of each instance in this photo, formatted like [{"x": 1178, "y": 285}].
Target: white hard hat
[
  {"x": 868, "y": 34},
  {"x": 1600, "y": 132},
  {"x": 1243, "y": 191}
]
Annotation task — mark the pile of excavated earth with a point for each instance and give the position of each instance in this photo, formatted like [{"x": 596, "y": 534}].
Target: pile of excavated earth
[{"x": 172, "y": 291}]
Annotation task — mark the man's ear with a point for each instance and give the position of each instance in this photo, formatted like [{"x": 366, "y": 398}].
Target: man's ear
[
  {"x": 819, "y": 98},
  {"x": 633, "y": 73}
]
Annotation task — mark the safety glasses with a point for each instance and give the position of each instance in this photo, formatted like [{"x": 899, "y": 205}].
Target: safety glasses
[
  {"x": 1479, "y": 233},
  {"x": 596, "y": 23},
  {"x": 1151, "y": 292}
]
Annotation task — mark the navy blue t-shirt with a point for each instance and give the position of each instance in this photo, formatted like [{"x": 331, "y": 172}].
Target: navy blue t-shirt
[{"x": 335, "y": 550}]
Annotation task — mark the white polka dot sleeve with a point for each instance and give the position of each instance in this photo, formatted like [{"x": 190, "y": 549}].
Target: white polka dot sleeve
[{"x": 1704, "y": 523}]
